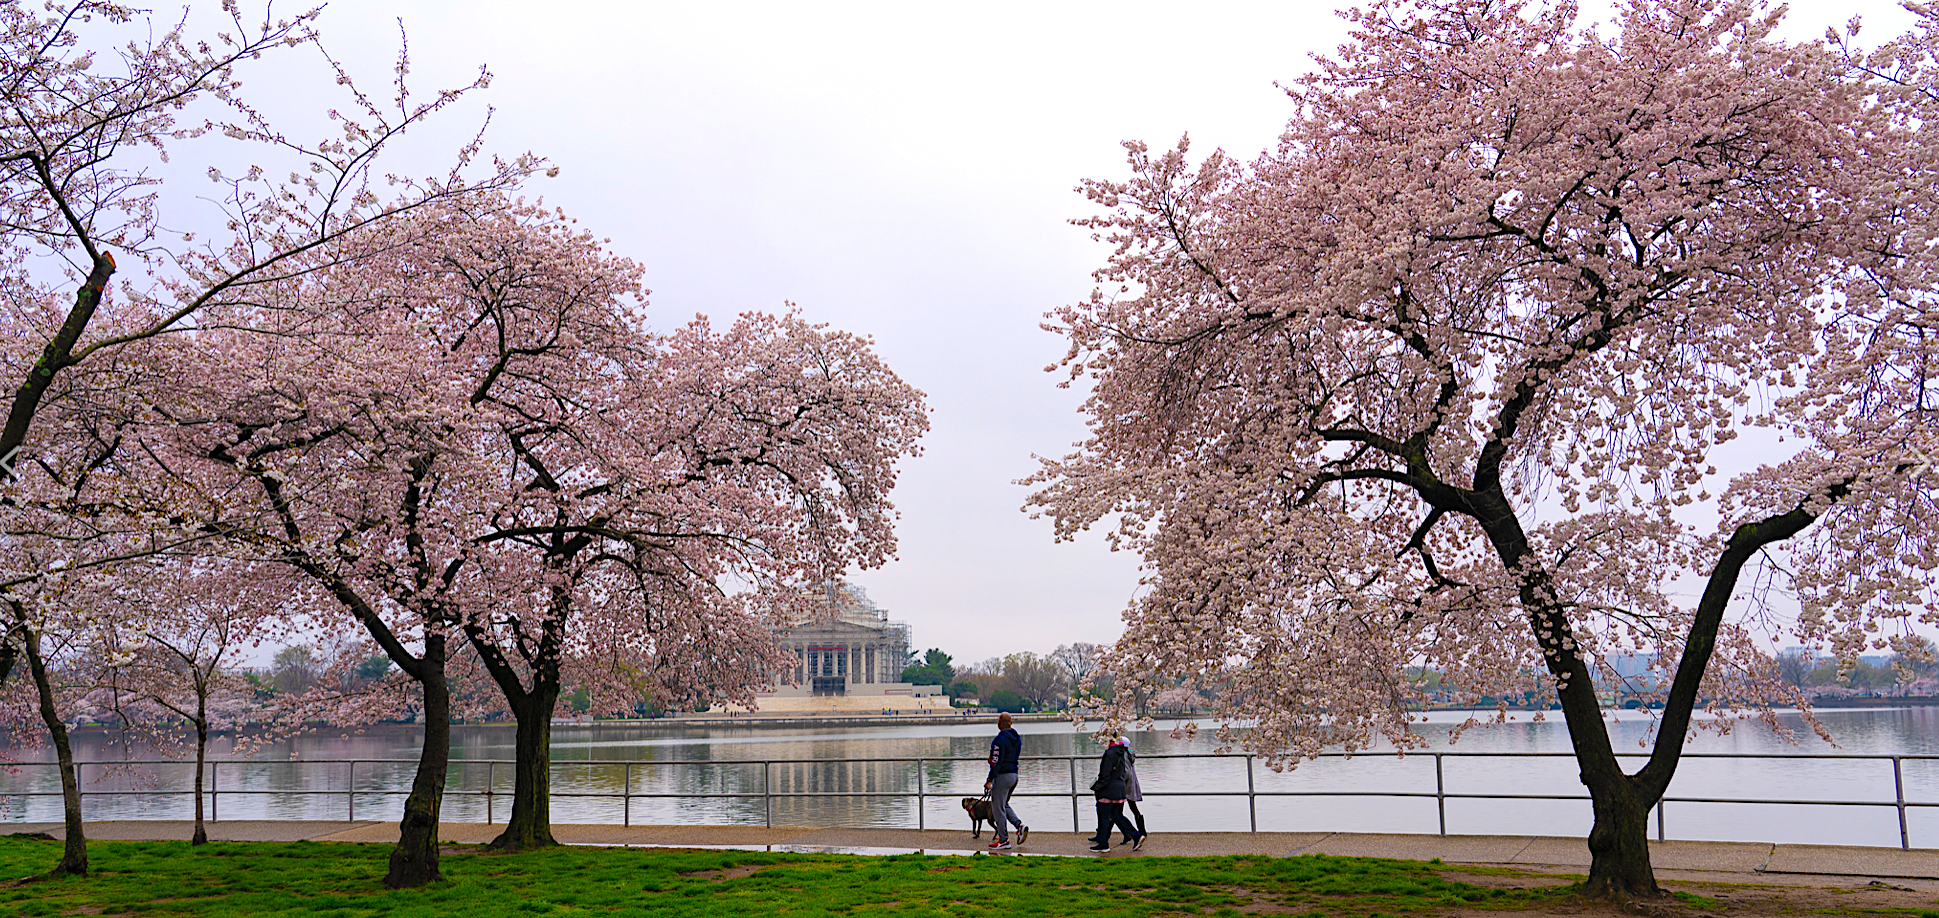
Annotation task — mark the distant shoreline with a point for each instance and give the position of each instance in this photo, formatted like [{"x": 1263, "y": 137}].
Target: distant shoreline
[
  {"x": 1904, "y": 701},
  {"x": 758, "y": 721},
  {"x": 878, "y": 720},
  {"x": 811, "y": 720}
]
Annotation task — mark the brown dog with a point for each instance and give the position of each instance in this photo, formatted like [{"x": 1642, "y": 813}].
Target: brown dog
[{"x": 978, "y": 809}]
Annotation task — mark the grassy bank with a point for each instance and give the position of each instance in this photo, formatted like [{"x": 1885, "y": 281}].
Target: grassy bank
[{"x": 342, "y": 881}]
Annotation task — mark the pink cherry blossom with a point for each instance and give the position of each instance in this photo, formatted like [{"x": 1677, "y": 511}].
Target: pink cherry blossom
[{"x": 1451, "y": 380}]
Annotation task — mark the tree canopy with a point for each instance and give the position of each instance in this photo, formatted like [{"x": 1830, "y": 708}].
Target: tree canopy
[{"x": 1529, "y": 340}]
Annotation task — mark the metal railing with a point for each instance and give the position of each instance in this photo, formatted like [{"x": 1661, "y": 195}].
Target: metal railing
[{"x": 923, "y": 789}]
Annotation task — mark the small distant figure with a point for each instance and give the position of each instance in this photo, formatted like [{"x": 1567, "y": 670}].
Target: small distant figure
[
  {"x": 1111, "y": 788},
  {"x": 1005, "y": 751}
]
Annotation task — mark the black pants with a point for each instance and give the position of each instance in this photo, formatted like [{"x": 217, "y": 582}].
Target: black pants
[{"x": 1108, "y": 815}]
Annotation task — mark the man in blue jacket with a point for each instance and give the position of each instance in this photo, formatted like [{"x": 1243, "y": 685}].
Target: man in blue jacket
[{"x": 1005, "y": 750}]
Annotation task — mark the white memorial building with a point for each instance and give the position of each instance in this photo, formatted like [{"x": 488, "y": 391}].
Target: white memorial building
[{"x": 848, "y": 662}]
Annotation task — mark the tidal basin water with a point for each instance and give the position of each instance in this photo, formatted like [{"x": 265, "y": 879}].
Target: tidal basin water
[{"x": 305, "y": 778}]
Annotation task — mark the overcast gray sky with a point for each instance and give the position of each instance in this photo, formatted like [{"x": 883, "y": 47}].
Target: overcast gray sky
[{"x": 899, "y": 170}]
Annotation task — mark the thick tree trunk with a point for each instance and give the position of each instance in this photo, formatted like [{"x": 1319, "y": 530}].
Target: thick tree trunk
[
  {"x": 414, "y": 862},
  {"x": 1619, "y": 858},
  {"x": 74, "y": 855},
  {"x": 201, "y": 836},
  {"x": 531, "y": 822}
]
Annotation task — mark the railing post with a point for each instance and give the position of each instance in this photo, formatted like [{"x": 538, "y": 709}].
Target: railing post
[
  {"x": 491, "y": 777},
  {"x": 1075, "y": 824},
  {"x": 351, "y": 795},
  {"x": 767, "y": 792},
  {"x": 626, "y": 798},
  {"x": 1440, "y": 795},
  {"x": 1252, "y": 798},
  {"x": 922, "y": 801},
  {"x": 1659, "y": 820},
  {"x": 1898, "y": 795}
]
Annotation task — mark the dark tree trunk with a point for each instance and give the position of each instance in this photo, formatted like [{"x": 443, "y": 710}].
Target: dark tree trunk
[
  {"x": 74, "y": 854},
  {"x": 56, "y": 356},
  {"x": 201, "y": 836},
  {"x": 531, "y": 823},
  {"x": 414, "y": 862},
  {"x": 1619, "y": 857},
  {"x": 9, "y": 652}
]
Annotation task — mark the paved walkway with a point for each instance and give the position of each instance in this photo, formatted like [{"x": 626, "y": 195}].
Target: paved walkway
[{"x": 1716, "y": 861}]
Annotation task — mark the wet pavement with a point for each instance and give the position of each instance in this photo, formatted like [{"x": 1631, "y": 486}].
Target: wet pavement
[{"x": 1695, "y": 860}]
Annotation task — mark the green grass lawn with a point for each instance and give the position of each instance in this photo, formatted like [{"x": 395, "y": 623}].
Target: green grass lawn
[{"x": 344, "y": 881}]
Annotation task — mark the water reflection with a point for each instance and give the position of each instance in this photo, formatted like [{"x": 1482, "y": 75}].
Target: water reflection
[{"x": 310, "y": 778}]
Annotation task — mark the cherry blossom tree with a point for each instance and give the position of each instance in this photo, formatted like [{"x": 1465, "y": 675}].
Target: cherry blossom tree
[
  {"x": 63, "y": 535},
  {"x": 1530, "y": 345},
  {"x": 172, "y": 633},
  {"x": 761, "y": 457},
  {"x": 219, "y": 431},
  {"x": 84, "y": 122},
  {"x": 470, "y": 436},
  {"x": 48, "y": 629},
  {"x": 97, "y": 98}
]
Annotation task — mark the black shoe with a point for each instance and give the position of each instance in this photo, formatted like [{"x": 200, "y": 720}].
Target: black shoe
[
  {"x": 1140, "y": 842},
  {"x": 1100, "y": 846}
]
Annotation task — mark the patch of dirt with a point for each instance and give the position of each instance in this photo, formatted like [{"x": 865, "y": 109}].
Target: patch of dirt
[
  {"x": 1708, "y": 900},
  {"x": 1745, "y": 899},
  {"x": 1699, "y": 899},
  {"x": 947, "y": 869},
  {"x": 731, "y": 873}
]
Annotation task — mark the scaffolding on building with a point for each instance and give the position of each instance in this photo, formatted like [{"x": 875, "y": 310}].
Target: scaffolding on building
[{"x": 852, "y": 646}]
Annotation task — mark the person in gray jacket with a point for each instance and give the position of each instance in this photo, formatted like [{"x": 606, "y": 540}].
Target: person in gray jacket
[{"x": 1133, "y": 792}]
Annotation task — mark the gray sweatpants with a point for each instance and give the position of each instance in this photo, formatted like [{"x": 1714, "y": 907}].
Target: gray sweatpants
[{"x": 1000, "y": 789}]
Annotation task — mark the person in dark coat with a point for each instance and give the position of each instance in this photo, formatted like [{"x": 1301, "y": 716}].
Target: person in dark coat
[{"x": 1111, "y": 787}]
